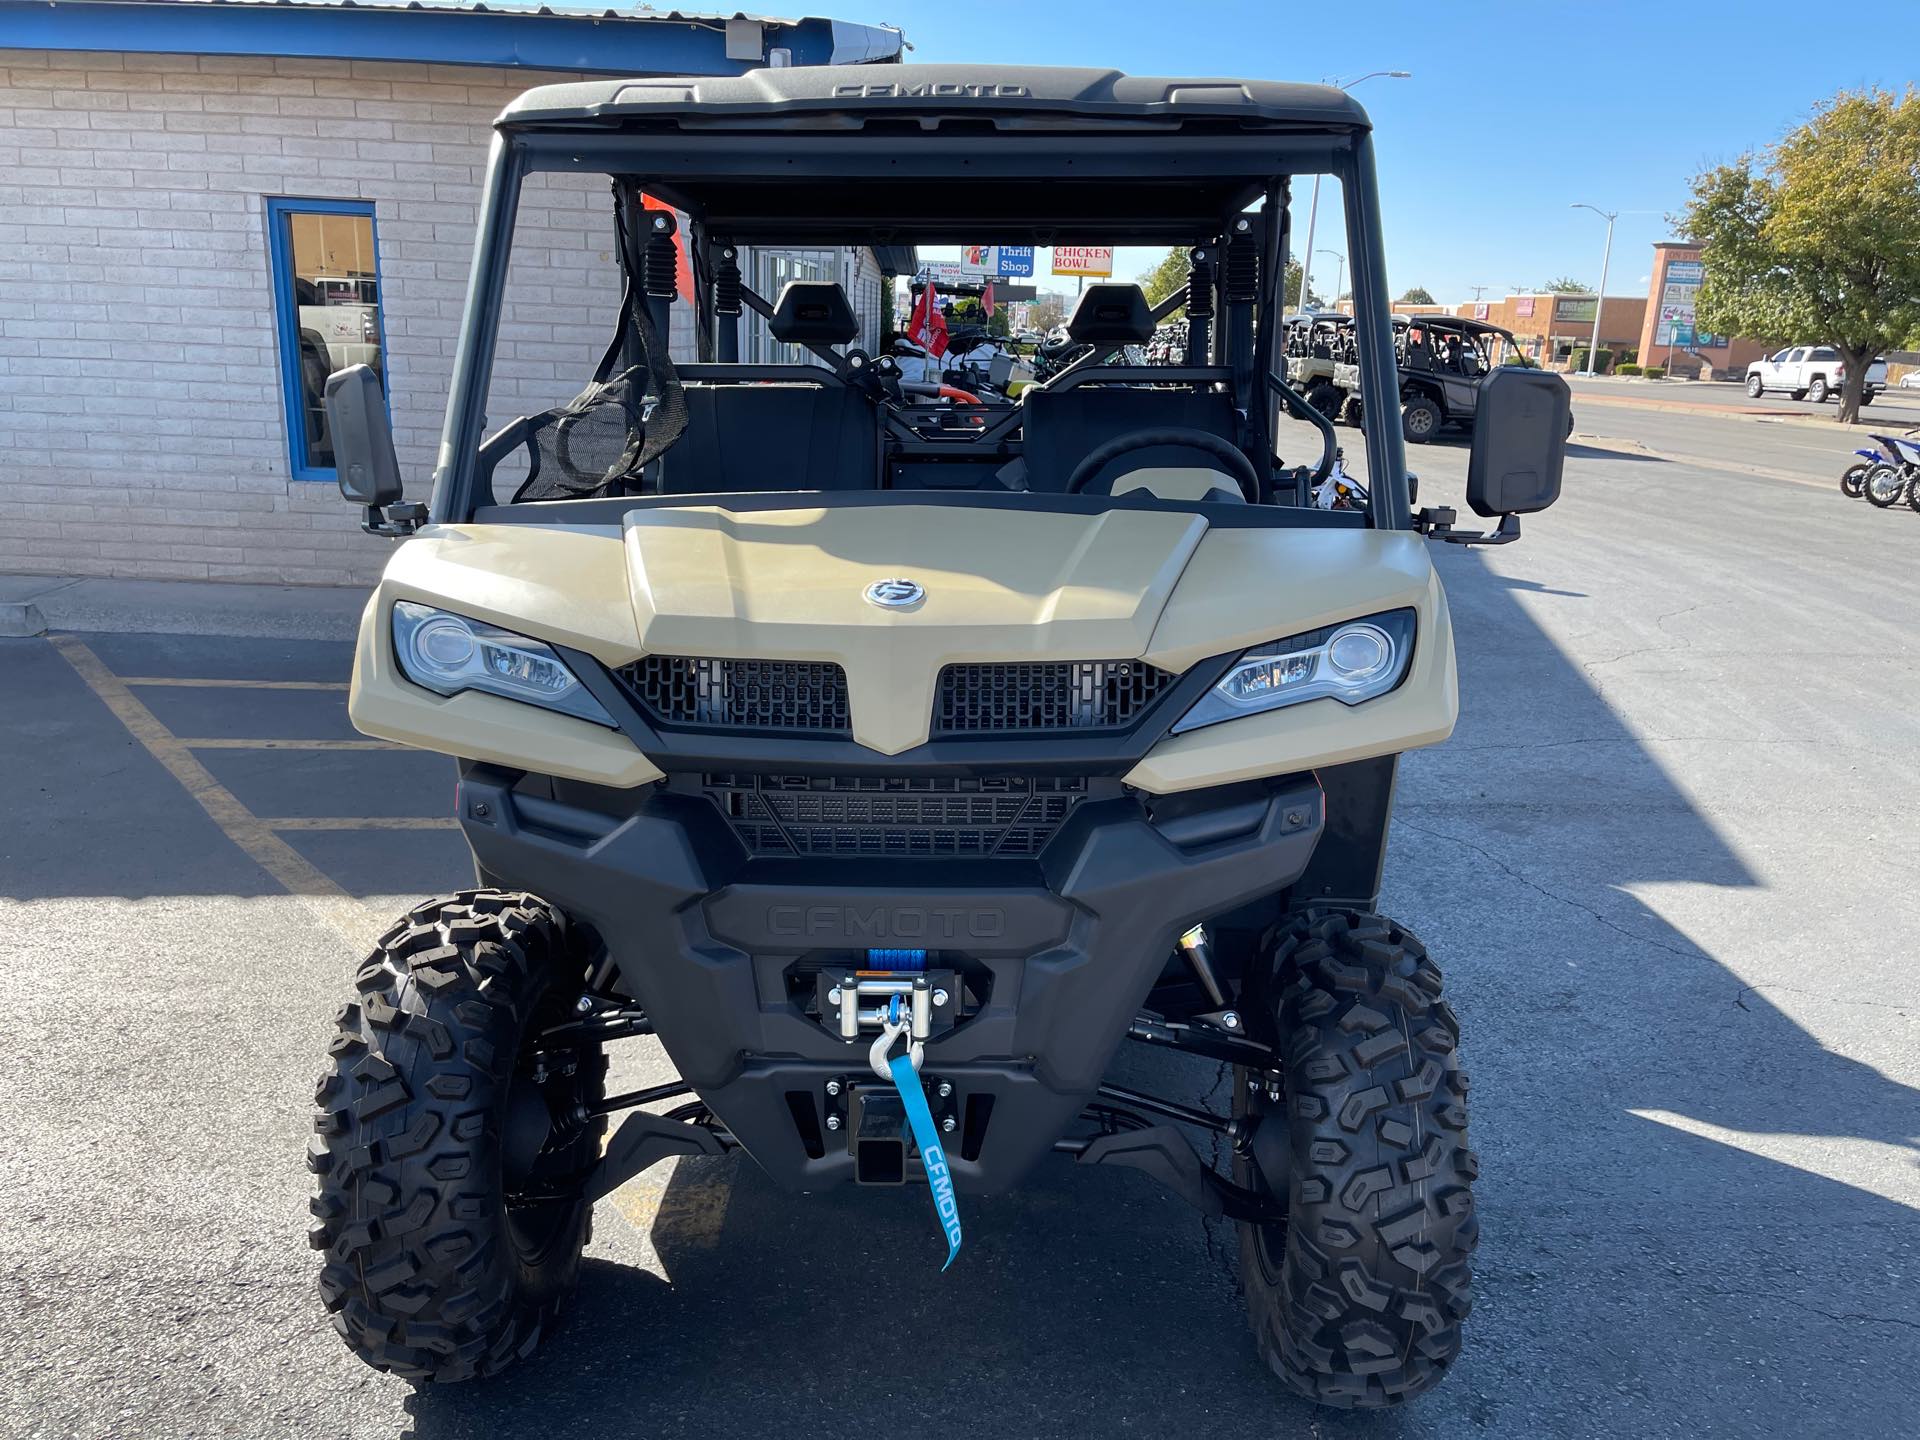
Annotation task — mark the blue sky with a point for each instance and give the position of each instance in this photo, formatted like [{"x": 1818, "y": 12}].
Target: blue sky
[{"x": 1515, "y": 109}]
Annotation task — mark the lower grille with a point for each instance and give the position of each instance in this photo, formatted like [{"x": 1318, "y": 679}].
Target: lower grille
[
  {"x": 741, "y": 694},
  {"x": 895, "y": 816},
  {"x": 1042, "y": 696}
]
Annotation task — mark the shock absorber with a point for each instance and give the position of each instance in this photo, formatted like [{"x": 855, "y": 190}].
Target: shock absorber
[
  {"x": 727, "y": 303},
  {"x": 1243, "y": 271},
  {"x": 660, "y": 270},
  {"x": 1199, "y": 303}
]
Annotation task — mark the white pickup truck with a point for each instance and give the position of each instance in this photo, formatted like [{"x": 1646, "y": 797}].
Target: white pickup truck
[{"x": 1811, "y": 372}]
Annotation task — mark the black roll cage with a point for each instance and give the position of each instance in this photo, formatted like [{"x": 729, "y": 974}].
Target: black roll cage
[{"x": 675, "y": 160}]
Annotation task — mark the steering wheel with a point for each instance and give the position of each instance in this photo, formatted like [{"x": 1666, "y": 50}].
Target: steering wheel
[{"x": 1230, "y": 456}]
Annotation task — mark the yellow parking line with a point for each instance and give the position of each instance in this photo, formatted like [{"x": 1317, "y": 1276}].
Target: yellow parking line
[
  {"x": 182, "y": 682},
  {"x": 330, "y": 904},
  {"x": 363, "y": 822},
  {"x": 225, "y": 743}
]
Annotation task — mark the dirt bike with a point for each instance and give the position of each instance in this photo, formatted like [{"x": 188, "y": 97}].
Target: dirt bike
[{"x": 1890, "y": 479}]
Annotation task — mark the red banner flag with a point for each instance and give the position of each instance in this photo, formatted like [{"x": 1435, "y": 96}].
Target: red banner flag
[{"x": 927, "y": 327}]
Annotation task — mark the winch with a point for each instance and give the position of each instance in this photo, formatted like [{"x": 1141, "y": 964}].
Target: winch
[{"x": 857, "y": 1001}]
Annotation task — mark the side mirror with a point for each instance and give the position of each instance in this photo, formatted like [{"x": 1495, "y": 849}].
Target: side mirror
[
  {"x": 363, "y": 450},
  {"x": 1519, "y": 442}
]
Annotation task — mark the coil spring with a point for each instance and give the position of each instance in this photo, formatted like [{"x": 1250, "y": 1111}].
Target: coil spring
[
  {"x": 1200, "y": 285},
  {"x": 726, "y": 284},
  {"x": 1243, "y": 271},
  {"x": 661, "y": 267}
]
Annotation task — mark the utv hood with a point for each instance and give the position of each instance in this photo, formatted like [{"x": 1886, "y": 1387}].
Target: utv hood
[{"x": 997, "y": 585}]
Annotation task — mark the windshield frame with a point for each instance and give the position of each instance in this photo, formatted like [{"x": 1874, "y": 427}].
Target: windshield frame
[{"x": 1342, "y": 154}]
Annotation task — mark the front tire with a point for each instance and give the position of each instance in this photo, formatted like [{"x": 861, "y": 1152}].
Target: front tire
[
  {"x": 1420, "y": 420},
  {"x": 1357, "y": 1298},
  {"x": 450, "y": 1150},
  {"x": 1853, "y": 478},
  {"x": 1884, "y": 485},
  {"x": 1755, "y": 386}
]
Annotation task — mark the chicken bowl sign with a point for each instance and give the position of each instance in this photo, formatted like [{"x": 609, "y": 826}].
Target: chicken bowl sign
[{"x": 1083, "y": 260}]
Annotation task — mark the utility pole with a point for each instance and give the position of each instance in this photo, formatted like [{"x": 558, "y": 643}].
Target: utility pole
[
  {"x": 1313, "y": 206},
  {"x": 1600, "y": 300}
]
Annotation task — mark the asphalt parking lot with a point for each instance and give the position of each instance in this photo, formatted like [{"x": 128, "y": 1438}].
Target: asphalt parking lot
[{"x": 1666, "y": 862}]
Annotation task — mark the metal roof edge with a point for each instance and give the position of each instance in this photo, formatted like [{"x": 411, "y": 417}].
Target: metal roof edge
[{"x": 605, "y": 43}]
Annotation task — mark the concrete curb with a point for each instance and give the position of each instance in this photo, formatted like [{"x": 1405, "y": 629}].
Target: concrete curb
[
  {"x": 1726, "y": 412},
  {"x": 32, "y": 604}
]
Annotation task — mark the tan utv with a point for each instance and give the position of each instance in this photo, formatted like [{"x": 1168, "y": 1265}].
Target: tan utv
[{"x": 893, "y": 758}]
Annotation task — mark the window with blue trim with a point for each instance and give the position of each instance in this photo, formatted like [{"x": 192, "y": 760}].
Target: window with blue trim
[{"x": 326, "y": 301}]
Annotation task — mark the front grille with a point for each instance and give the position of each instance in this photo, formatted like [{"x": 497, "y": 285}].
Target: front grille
[
  {"x": 895, "y": 816},
  {"x": 741, "y": 694},
  {"x": 1045, "y": 695}
]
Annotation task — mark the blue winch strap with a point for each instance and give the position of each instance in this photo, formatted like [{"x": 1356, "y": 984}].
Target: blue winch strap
[
  {"x": 939, "y": 1178},
  {"x": 896, "y": 959}
]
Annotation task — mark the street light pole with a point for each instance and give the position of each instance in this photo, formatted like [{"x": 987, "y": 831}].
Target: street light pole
[
  {"x": 1313, "y": 206},
  {"x": 1600, "y": 300}
]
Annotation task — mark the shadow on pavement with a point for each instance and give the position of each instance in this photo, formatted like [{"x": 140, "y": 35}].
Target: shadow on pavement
[{"x": 1577, "y": 451}]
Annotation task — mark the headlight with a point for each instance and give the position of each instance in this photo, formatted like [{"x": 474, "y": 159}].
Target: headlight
[
  {"x": 450, "y": 653},
  {"x": 1349, "y": 662}
]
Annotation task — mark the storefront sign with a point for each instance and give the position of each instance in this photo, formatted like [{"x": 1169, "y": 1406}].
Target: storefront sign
[
  {"x": 1083, "y": 260},
  {"x": 951, "y": 272},
  {"x": 997, "y": 259},
  {"x": 1574, "y": 309},
  {"x": 1679, "y": 294}
]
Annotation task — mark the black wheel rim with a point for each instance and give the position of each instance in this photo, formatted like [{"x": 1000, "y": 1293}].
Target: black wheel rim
[
  {"x": 542, "y": 1200},
  {"x": 1269, "y": 1240}
]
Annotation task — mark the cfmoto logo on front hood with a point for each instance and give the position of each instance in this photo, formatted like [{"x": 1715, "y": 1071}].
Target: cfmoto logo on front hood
[
  {"x": 895, "y": 593},
  {"x": 929, "y": 90}
]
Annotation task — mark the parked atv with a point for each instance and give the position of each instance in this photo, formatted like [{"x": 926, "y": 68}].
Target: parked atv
[
  {"x": 894, "y": 776},
  {"x": 1321, "y": 351},
  {"x": 1444, "y": 361}
]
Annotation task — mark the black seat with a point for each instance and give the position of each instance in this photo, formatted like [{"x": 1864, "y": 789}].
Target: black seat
[
  {"x": 1060, "y": 428},
  {"x": 800, "y": 436}
]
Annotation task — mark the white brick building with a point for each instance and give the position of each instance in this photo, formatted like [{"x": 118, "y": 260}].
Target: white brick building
[{"x": 147, "y": 369}]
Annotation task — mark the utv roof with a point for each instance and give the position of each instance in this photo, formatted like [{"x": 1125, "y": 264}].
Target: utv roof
[
  {"x": 843, "y": 97},
  {"x": 938, "y": 154},
  {"x": 1453, "y": 322}
]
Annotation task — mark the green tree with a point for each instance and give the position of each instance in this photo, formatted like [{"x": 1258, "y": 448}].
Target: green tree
[
  {"x": 1166, "y": 278},
  {"x": 1567, "y": 285},
  {"x": 1294, "y": 276},
  {"x": 1170, "y": 274},
  {"x": 1817, "y": 238},
  {"x": 1048, "y": 311},
  {"x": 1417, "y": 295}
]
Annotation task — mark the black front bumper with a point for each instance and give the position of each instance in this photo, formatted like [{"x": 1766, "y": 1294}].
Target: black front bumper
[{"x": 707, "y": 942}]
